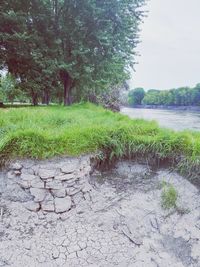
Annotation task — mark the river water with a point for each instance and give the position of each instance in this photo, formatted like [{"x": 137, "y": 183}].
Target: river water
[{"x": 174, "y": 119}]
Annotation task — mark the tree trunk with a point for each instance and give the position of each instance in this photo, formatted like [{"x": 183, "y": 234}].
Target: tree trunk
[
  {"x": 67, "y": 89},
  {"x": 47, "y": 98},
  {"x": 43, "y": 99},
  {"x": 60, "y": 98},
  {"x": 65, "y": 92},
  {"x": 34, "y": 99},
  {"x": 69, "y": 97}
]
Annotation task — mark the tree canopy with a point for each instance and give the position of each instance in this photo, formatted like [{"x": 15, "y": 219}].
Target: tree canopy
[
  {"x": 83, "y": 46},
  {"x": 136, "y": 96},
  {"x": 183, "y": 96}
]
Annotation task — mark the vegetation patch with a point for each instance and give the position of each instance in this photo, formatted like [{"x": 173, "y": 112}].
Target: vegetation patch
[
  {"x": 43, "y": 132},
  {"x": 169, "y": 196},
  {"x": 183, "y": 96}
]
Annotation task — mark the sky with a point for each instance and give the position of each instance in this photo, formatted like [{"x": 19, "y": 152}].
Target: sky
[{"x": 170, "y": 46}]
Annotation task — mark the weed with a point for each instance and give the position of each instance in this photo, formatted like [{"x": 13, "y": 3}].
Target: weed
[{"x": 169, "y": 197}]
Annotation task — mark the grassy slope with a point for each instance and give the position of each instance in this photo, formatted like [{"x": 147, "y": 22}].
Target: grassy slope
[{"x": 50, "y": 131}]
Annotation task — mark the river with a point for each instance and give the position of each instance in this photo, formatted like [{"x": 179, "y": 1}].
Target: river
[{"x": 173, "y": 119}]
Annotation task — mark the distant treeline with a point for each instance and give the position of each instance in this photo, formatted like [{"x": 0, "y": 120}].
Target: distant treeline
[{"x": 183, "y": 96}]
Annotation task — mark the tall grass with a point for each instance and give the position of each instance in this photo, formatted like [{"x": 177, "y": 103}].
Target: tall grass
[{"x": 42, "y": 132}]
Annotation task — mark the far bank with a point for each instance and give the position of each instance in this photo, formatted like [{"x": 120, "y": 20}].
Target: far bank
[{"x": 190, "y": 108}]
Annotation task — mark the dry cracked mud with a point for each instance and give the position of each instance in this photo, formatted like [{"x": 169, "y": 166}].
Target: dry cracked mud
[{"x": 118, "y": 222}]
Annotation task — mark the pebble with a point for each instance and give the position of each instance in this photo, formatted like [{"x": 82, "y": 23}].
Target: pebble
[
  {"x": 70, "y": 167},
  {"x": 38, "y": 194},
  {"x": 32, "y": 206},
  {"x": 46, "y": 174},
  {"x": 59, "y": 192},
  {"x": 16, "y": 166},
  {"x": 62, "y": 204}
]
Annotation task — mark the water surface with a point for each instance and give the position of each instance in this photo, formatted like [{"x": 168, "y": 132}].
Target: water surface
[{"x": 174, "y": 119}]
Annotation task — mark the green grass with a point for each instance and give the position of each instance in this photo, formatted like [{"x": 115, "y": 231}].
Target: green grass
[
  {"x": 42, "y": 132},
  {"x": 169, "y": 197}
]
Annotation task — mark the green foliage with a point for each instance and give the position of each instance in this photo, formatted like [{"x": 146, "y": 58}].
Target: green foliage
[
  {"x": 86, "y": 45},
  {"x": 169, "y": 196},
  {"x": 136, "y": 96},
  {"x": 151, "y": 97},
  {"x": 183, "y": 96},
  {"x": 1, "y": 94},
  {"x": 9, "y": 90}
]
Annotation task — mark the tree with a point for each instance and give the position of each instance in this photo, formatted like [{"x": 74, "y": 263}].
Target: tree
[
  {"x": 195, "y": 95},
  {"x": 136, "y": 96},
  {"x": 151, "y": 97},
  {"x": 183, "y": 96},
  {"x": 98, "y": 40},
  {"x": 9, "y": 89},
  {"x": 26, "y": 43},
  {"x": 87, "y": 45}
]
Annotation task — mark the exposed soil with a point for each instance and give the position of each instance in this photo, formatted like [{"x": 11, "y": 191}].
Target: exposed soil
[{"x": 119, "y": 223}]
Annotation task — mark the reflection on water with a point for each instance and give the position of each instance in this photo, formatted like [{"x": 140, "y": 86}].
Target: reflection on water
[{"x": 174, "y": 119}]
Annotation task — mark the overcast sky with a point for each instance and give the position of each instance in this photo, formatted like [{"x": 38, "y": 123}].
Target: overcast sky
[{"x": 170, "y": 48}]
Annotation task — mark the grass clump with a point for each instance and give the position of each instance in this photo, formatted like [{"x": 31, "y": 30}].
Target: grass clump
[{"x": 169, "y": 197}]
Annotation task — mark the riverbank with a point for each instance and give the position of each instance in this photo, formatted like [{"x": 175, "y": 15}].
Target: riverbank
[
  {"x": 62, "y": 211},
  {"x": 46, "y": 132},
  {"x": 189, "y": 108}
]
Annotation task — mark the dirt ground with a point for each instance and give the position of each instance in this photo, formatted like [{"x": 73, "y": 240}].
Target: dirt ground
[{"x": 119, "y": 223}]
